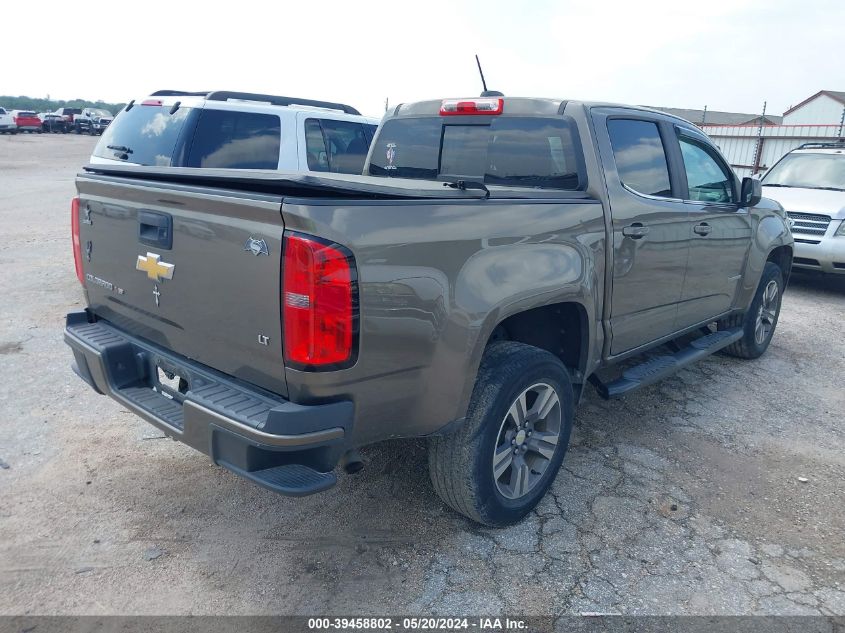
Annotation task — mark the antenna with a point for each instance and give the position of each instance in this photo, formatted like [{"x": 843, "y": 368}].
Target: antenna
[
  {"x": 481, "y": 72},
  {"x": 486, "y": 93}
]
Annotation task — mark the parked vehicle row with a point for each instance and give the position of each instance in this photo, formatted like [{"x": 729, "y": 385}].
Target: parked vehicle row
[
  {"x": 91, "y": 121},
  {"x": 14, "y": 121}
]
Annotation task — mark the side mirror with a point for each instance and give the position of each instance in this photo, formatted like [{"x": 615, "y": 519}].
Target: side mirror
[{"x": 752, "y": 192}]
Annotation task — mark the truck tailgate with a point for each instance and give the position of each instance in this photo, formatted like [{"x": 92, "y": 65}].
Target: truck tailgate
[{"x": 194, "y": 269}]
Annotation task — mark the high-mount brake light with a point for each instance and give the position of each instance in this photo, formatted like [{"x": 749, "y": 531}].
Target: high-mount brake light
[
  {"x": 77, "y": 245},
  {"x": 152, "y": 102},
  {"x": 318, "y": 304},
  {"x": 458, "y": 107}
]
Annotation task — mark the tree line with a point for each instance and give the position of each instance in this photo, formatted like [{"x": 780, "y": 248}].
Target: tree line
[{"x": 50, "y": 105}]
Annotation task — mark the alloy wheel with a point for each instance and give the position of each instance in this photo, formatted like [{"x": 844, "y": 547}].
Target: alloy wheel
[
  {"x": 527, "y": 440},
  {"x": 767, "y": 314}
]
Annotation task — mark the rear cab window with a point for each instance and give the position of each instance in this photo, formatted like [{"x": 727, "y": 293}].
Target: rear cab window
[
  {"x": 146, "y": 135},
  {"x": 534, "y": 152}
]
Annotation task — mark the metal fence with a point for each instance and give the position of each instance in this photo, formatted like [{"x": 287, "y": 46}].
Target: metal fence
[{"x": 753, "y": 149}]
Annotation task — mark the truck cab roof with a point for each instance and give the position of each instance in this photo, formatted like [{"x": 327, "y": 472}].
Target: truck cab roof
[{"x": 520, "y": 106}]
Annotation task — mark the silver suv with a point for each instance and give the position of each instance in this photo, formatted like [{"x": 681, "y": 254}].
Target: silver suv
[{"x": 810, "y": 184}]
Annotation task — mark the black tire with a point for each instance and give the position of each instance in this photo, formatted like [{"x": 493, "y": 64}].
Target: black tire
[
  {"x": 461, "y": 463},
  {"x": 751, "y": 345}
]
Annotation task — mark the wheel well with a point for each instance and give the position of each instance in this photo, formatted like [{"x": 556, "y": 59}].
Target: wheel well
[
  {"x": 560, "y": 328},
  {"x": 782, "y": 257}
]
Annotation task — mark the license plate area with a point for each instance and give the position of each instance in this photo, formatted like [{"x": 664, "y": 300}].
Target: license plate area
[{"x": 170, "y": 384}]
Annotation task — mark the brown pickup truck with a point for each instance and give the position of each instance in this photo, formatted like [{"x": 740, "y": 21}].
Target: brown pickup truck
[{"x": 497, "y": 255}]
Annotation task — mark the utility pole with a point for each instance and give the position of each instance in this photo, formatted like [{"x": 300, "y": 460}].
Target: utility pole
[
  {"x": 704, "y": 116},
  {"x": 386, "y": 99},
  {"x": 841, "y": 121},
  {"x": 758, "y": 152}
]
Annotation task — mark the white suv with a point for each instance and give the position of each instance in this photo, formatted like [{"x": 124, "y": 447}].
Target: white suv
[
  {"x": 236, "y": 130},
  {"x": 810, "y": 184}
]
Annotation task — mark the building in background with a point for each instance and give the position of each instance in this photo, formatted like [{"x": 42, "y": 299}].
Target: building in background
[
  {"x": 752, "y": 145},
  {"x": 823, "y": 107}
]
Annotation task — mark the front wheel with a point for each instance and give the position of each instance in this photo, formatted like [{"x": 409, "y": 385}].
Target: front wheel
[
  {"x": 759, "y": 322},
  {"x": 502, "y": 460}
]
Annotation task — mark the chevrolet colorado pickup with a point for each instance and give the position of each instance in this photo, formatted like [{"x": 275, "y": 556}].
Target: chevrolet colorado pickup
[{"x": 497, "y": 255}]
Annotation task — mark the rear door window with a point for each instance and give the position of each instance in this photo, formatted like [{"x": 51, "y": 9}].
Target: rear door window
[
  {"x": 336, "y": 146},
  {"x": 520, "y": 151},
  {"x": 226, "y": 139},
  {"x": 640, "y": 156},
  {"x": 145, "y": 135}
]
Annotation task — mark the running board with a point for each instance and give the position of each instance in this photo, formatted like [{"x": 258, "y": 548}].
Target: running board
[{"x": 660, "y": 367}]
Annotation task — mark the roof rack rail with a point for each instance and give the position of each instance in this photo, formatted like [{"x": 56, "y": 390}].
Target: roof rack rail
[
  {"x": 225, "y": 95},
  {"x": 828, "y": 145},
  {"x": 178, "y": 93}
]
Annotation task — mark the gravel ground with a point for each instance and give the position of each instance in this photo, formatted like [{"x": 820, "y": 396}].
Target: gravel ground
[{"x": 686, "y": 498}]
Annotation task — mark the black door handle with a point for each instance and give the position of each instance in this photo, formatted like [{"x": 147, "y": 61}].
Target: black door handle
[
  {"x": 635, "y": 231},
  {"x": 702, "y": 229},
  {"x": 155, "y": 229}
]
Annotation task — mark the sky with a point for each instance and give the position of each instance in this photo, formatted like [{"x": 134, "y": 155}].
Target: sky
[{"x": 727, "y": 54}]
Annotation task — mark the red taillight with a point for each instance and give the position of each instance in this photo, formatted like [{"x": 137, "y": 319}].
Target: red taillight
[
  {"x": 451, "y": 107},
  {"x": 318, "y": 315},
  {"x": 77, "y": 245},
  {"x": 152, "y": 102}
]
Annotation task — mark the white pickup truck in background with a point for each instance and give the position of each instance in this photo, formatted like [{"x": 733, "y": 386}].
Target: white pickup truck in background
[{"x": 7, "y": 123}]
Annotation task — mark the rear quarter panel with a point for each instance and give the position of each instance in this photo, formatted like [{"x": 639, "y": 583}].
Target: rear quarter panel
[{"x": 435, "y": 278}]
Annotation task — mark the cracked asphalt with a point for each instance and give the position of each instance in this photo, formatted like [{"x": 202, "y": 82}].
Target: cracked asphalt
[{"x": 718, "y": 491}]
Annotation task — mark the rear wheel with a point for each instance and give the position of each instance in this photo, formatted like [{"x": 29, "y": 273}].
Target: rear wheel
[
  {"x": 500, "y": 463},
  {"x": 759, "y": 322}
]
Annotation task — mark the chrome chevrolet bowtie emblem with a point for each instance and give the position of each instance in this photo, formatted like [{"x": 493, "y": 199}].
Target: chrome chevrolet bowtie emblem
[{"x": 154, "y": 267}]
